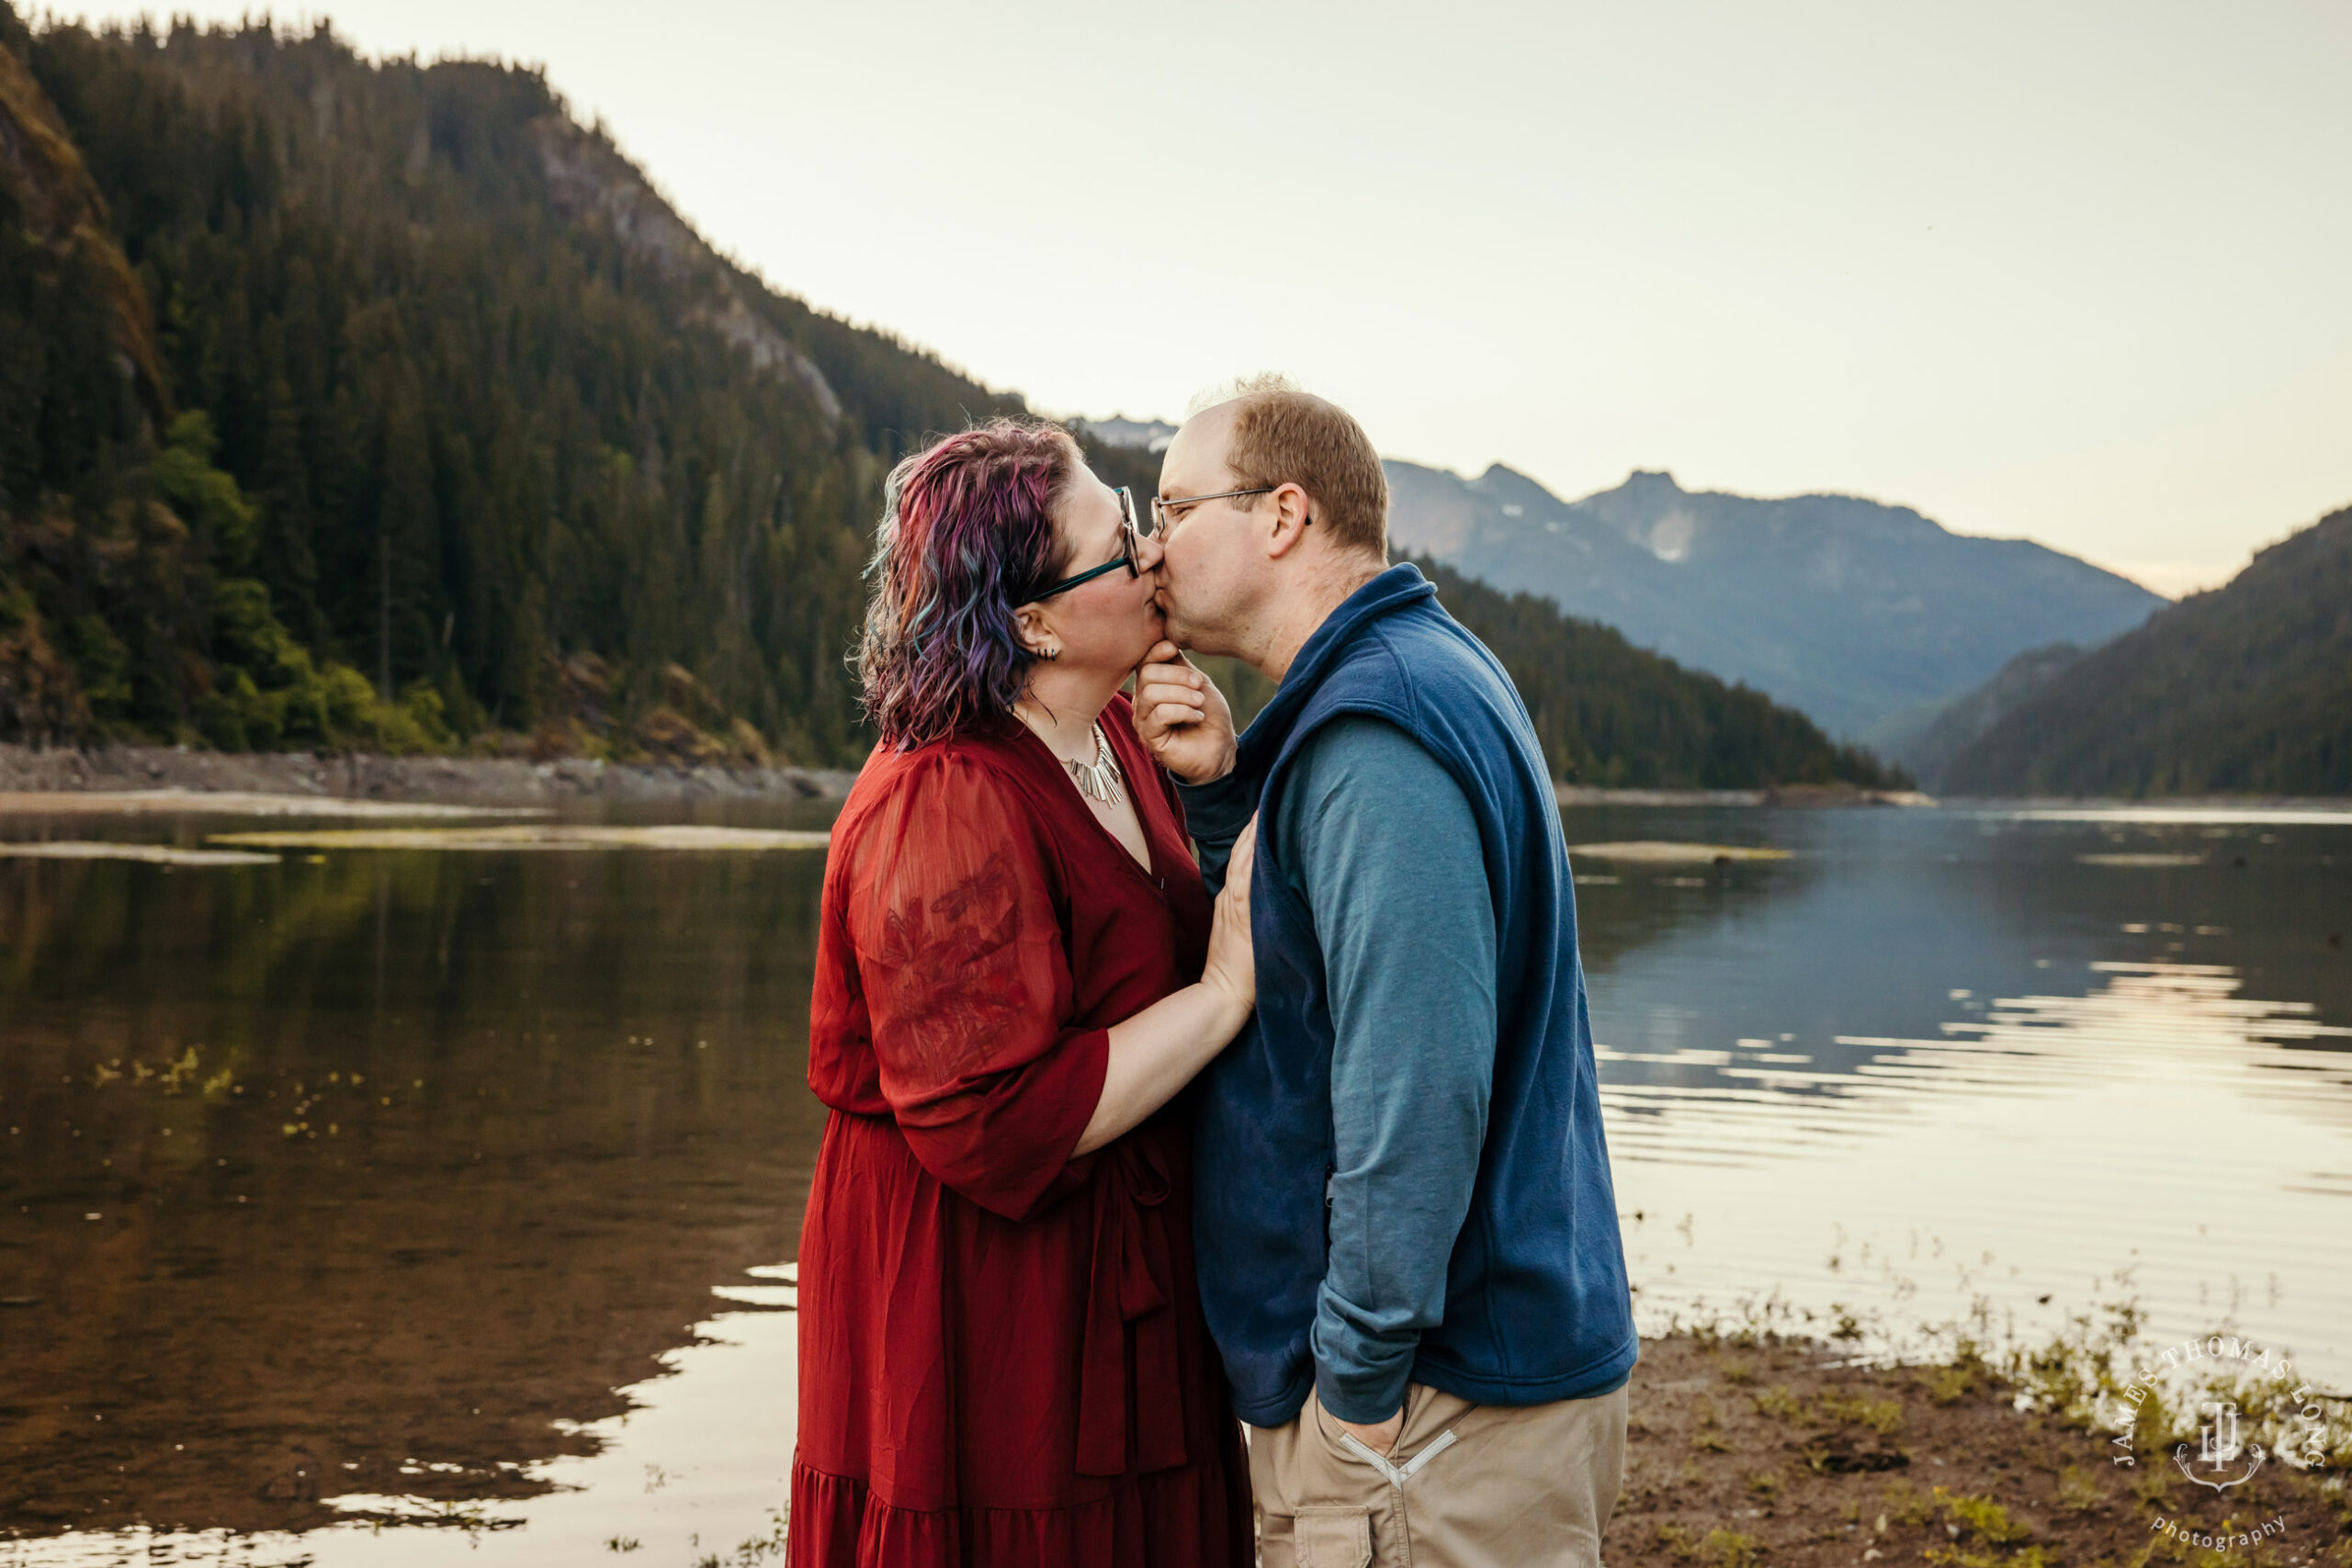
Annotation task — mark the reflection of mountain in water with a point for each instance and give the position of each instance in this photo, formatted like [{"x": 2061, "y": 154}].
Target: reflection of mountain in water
[
  {"x": 1762, "y": 1099},
  {"x": 467, "y": 1142},
  {"x": 1878, "y": 973},
  {"x": 541, "y": 1104}
]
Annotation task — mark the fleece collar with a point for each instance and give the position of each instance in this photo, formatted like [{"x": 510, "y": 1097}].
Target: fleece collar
[{"x": 1398, "y": 588}]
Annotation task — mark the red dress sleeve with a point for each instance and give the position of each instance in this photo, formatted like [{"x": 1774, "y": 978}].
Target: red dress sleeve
[{"x": 958, "y": 939}]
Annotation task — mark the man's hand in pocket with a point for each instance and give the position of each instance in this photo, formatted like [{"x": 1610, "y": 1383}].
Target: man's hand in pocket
[{"x": 1380, "y": 1436}]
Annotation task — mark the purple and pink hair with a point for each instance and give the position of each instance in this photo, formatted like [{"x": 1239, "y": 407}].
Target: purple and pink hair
[{"x": 966, "y": 535}]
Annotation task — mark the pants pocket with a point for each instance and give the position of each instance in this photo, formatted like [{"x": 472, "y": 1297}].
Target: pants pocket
[{"x": 1330, "y": 1536}]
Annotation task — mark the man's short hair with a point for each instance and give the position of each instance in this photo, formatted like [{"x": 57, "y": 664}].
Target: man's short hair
[{"x": 1281, "y": 435}]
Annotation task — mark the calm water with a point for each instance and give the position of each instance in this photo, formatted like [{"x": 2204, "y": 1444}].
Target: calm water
[{"x": 389, "y": 1206}]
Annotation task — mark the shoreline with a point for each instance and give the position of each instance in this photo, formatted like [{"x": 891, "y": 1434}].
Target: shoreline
[
  {"x": 1744, "y": 1448},
  {"x": 28, "y": 772},
  {"x": 1805, "y": 795},
  {"x": 491, "y": 780},
  {"x": 1747, "y": 1450}
]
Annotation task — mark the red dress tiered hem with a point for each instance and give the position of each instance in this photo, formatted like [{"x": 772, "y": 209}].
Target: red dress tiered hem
[
  {"x": 1004, "y": 1362},
  {"x": 1181, "y": 1518}
]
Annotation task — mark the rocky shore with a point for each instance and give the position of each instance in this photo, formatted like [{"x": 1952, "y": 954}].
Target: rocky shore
[
  {"x": 1778, "y": 794},
  {"x": 1758, "y": 1451},
  {"x": 492, "y": 781}
]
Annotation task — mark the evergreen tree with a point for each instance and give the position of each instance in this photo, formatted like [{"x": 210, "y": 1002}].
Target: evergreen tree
[{"x": 437, "y": 424}]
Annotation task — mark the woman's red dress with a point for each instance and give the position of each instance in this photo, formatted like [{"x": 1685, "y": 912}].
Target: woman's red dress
[{"x": 1002, "y": 1358}]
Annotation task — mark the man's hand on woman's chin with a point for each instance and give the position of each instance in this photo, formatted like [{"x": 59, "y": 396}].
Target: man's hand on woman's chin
[
  {"x": 1381, "y": 1436},
  {"x": 1182, "y": 717}
]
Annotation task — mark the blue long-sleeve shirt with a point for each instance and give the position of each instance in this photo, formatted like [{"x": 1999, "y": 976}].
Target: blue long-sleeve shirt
[{"x": 1381, "y": 842}]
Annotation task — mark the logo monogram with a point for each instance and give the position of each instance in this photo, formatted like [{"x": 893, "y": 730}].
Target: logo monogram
[{"x": 2218, "y": 1449}]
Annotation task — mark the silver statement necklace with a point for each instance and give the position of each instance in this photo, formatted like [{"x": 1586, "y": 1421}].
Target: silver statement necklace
[{"x": 1100, "y": 779}]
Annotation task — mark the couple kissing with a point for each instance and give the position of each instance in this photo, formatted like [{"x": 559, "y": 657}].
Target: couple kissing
[{"x": 1184, "y": 1086}]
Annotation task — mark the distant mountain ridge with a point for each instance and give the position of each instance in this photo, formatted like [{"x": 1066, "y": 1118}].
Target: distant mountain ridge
[
  {"x": 1928, "y": 747},
  {"x": 445, "y": 393},
  {"x": 1607, "y": 714},
  {"x": 2246, "y": 689},
  {"x": 1855, "y": 612}
]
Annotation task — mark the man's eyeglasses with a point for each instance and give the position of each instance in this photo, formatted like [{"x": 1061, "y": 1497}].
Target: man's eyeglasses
[
  {"x": 1128, "y": 534},
  {"x": 1164, "y": 512}
]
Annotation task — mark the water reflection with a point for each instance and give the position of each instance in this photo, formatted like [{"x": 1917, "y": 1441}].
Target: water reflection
[
  {"x": 464, "y": 1143},
  {"x": 455, "y": 1191},
  {"x": 1964, "y": 1068},
  {"x": 1754, "y": 1102}
]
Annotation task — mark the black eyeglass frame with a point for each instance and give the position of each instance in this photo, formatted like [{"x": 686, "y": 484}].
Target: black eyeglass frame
[{"x": 1128, "y": 534}]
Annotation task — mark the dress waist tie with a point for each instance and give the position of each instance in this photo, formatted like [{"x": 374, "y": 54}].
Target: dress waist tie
[{"x": 1130, "y": 1325}]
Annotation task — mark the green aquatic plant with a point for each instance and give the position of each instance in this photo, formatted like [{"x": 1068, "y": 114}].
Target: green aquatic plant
[
  {"x": 1981, "y": 1519},
  {"x": 1883, "y": 1416},
  {"x": 1719, "y": 1548},
  {"x": 1955, "y": 1557},
  {"x": 1729, "y": 1549},
  {"x": 1906, "y": 1505},
  {"x": 2077, "y": 1490},
  {"x": 1947, "y": 1385}
]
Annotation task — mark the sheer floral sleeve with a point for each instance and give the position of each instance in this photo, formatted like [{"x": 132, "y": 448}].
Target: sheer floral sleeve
[{"x": 967, "y": 985}]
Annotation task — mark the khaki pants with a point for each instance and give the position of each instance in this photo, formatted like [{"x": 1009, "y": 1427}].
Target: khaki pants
[{"x": 1466, "y": 1486}]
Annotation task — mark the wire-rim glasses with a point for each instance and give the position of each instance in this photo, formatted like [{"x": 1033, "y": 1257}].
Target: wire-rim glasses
[{"x": 1163, "y": 512}]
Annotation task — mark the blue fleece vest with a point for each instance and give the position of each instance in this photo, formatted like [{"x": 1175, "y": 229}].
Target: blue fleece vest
[{"x": 1536, "y": 1307}]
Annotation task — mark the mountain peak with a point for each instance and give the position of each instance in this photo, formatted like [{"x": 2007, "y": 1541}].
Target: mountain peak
[{"x": 1850, "y": 609}]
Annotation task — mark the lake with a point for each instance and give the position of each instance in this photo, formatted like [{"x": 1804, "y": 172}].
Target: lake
[{"x": 396, "y": 1205}]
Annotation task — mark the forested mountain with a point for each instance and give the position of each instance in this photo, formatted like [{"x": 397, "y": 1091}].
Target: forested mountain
[
  {"x": 1950, "y": 728},
  {"x": 1850, "y": 610},
  {"x": 347, "y": 404},
  {"x": 484, "y": 398},
  {"x": 1609, "y": 716},
  {"x": 1613, "y": 716},
  {"x": 2244, "y": 689}
]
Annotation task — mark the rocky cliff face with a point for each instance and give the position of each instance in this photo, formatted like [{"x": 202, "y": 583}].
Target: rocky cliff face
[
  {"x": 589, "y": 183},
  {"x": 60, "y": 210}
]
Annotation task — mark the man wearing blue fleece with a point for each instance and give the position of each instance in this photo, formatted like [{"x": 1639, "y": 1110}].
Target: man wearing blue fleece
[{"x": 1406, "y": 1231}]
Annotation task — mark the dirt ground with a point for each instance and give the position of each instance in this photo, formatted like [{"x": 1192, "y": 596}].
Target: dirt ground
[{"x": 1761, "y": 1452}]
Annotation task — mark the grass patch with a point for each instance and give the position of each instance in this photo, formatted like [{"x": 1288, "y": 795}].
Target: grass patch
[
  {"x": 1981, "y": 1518},
  {"x": 1881, "y": 1415}
]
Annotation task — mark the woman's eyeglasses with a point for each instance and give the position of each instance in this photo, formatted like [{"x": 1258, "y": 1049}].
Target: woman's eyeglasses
[
  {"x": 1129, "y": 532},
  {"x": 1163, "y": 517}
]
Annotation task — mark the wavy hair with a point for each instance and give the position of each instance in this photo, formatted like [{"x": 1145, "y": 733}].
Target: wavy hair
[{"x": 967, "y": 535}]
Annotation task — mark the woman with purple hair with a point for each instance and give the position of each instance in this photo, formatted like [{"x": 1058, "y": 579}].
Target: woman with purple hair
[{"x": 1002, "y": 1358}]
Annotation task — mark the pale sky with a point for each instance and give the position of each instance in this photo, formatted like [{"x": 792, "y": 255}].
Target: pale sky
[{"x": 2076, "y": 272}]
